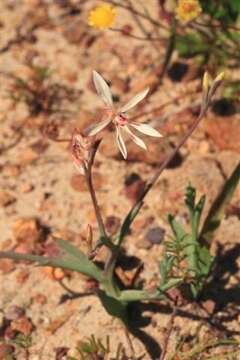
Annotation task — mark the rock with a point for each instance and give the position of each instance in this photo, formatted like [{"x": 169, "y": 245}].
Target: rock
[
  {"x": 27, "y": 157},
  {"x": 22, "y": 276},
  {"x": 54, "y": 273},
  {"x": 155, "y": 235},
  {"x": 26, "y": 188},
  {"x": 7, "y": 265},
  {"x": 39, "y": 146},
  {"x": 14, "y": 313},
  {"x": 27, "y": 231},
  {"x": 23, "y": 325},
  {"x": 134, "y": 186},
  {"x": 51, "y": 248},
  {"x": 209, "y": 305},
  {"x": 9, "y": 333},
  {"x": 11, "y": 170},
  {"x": 40, "y": 299},
  {"x": 58, "y": 274},
  {"x": 6, "y": 198},
  {"x": 5, "y": 351},
  {"x": 224, "y": 131}
]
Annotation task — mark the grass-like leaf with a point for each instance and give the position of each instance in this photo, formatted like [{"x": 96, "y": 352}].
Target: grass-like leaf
[
  {"x": 216, "y": 212},
  {"x": 71, "y": 258}
]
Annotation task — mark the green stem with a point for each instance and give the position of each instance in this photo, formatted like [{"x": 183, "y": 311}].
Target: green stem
[
  {"x": 140, "y": 295},
  {"x": 170, "y": 49},
  {"x": 88, "y": 175}
]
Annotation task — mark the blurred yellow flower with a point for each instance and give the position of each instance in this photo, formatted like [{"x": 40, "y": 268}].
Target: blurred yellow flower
[
  {"x": 102, "y": 17},
  {"x": 188, "y": 10}
]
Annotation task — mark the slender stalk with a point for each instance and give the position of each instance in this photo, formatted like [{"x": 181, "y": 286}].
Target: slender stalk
[
  {"x": 169, "y": 331},
  {"x": 137, "y": 19},
  {"x": 136, "y": 36},
  {"x": 88, "y": 176},
  {"x": 140, "y": 24},
  {"x": 138, "y": 13},
  {"x": 217, "y": 26},
  {"x": 167, "y": 57}
]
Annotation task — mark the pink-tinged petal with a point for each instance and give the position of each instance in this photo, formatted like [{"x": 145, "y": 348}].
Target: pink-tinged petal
[
  {"x": 121, "y": 144},
  {"x": 134, "y": 101},
  {"x": 93, "y": 130},
  {"x": 135, "y": 138},
  {"x": 103, "y": 89},
  {"x": 146, "y": 129}
]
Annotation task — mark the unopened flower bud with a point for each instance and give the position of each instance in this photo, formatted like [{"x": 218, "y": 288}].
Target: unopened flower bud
[
  {"x": 206, "y": 81},
  {"x": 219, "y": 77},
  {"x": 89, "y": 237}
]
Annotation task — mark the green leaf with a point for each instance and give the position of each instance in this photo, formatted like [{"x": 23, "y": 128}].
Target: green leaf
[
  {"x": 190, "y": 249},
  {"x": 165, "y": 267},
  {"x": 191, "y": 44},
  {"x": 226, "y": 10},
  {"x": 195, "y": 210},
  {"x": 176, "y": 227},
  {"x": 170, "y": 284},
  {"x": 216, "y": 212},
  {"x": 114, "y": 307},
  {"x": 235, "y": 4},
  {"x": 71, "y": 258},
  {"x": 205, "y": 261},
  {"x": 197, "y": 216},
  {"x": 127, "y": 223},
  {"x": 190, "y": 197}
]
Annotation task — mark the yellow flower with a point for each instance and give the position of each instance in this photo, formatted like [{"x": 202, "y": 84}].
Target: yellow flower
[
  {"x": 188, "y": 10},
  {"x": 102, "y": 17}
]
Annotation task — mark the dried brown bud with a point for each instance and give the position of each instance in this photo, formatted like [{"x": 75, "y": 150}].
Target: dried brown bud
[{"x": 81, "y": 149}]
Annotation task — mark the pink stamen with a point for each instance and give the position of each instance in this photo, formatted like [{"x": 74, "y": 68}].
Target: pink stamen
[{"x": 120, "y": 120}]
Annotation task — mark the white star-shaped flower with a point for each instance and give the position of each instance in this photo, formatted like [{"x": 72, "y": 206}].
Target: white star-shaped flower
[{"x": 118, "y": 118}]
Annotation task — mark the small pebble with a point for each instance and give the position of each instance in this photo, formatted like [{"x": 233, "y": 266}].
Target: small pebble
[{"x": 155, "y": 235}]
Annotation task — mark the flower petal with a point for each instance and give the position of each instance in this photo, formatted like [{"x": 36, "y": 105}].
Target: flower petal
[
  {"x": 103, "y": 89},
  {"x": 93, "y": 130},
  {"x": 146, "y": 129},
  {"x": 134, "y": 101},
  {"x": 121, "y": 144},
  {"x": 135, "y": 138}
]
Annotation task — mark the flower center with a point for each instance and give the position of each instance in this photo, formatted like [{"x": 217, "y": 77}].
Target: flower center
[{"x": 120, "y": 120}]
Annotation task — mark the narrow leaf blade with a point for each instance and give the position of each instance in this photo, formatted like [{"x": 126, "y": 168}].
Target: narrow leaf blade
[
  {"x": 216, "y": 212},
  {"x": 71, "y": 259}
]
